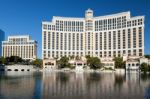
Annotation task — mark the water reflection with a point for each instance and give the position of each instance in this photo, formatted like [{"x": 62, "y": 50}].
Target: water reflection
[{"x": 71, "y": 85}]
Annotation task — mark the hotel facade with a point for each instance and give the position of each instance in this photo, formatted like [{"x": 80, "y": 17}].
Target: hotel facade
[
  {"x": 103, "y": 36},
  {"x": 20, "y": 45}
]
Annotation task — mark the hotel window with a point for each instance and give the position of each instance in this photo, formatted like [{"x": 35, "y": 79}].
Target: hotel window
[
  {"x": 44, "y": 39},
  {"x": 73, "y": 41},
  {"x": 57, "y": 40},
  {"x": 140, "y": 52},
  {"x": 114, "y": 53},
  {"x": 48, "y": 53},
  {"x": 69, "y": 43},
  {"x": 49, "y": 27},
  {"x": 140, "y": 21},
  {"x": 81, "y": 26},
  {"x": 129, "y": 38},
  {"x": 49, "y": 38},
  {"x": 105, "y": 24},
  {"x": 114, "y": 39},
  {"x": 105, "y": 53},
  {"x": 140, "y": 36},
  {"x": 123, "y": 21},
  {"x": 65, "y": 41},
  {"x": 124, "y": 52},
  {"x": 105, "y": 42},
  {"x": 119, "y": 39},
  {"x": 53, "y": 40},
  {"x": 44, "y": 26},
  {"x": 53, "y": 27},
  {"x": 114, "y": 23},
  {"x": 77, "y": 41},
  {"x": 119, "y": 23},
  {"x": 65, "y": 26},
  {"x": 100, "y": 40},
  {"x": 96, "y": 44},
  {"x": 129, "y": 53},
  {"x": 119, "y": 54},
  {"x": 134, "y": 37},
  {"x": 81, "y": 47},
  {"x": 89, "y": 40},
  {"x": 61, "y": 40},
  {"x": 124, "y": 39},
  {"x": 110, "y": 40},
  {"x": 109, "y": 24},
  {"x": 96, "y": 25},
  {"x": 57, "y": 25},
  {"x": 101, "y": 25},
  {"x": 134, "y": 22},
  {"x": 89, "y": 25},
  {"x": 134, "y": 52},
  {"x": 100, "y": 54},
  {"x": 109, "y": 53}
]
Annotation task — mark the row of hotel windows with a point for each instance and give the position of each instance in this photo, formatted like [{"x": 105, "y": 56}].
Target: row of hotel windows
[
  {"x": 112, "y": 41},
  {"x": 17, "y": 39},
  {"x": 100, "y": 54},
  {"x": 100, "y": 25},
  {"x": 109, "y": 24},
  {"x": 16, "y": 43},
  {"x": 74, "y": 41},
  {"x": 63, "y": 40},
  {"x": 66, "y": 26},
  {"x": 22, "y": 51}
]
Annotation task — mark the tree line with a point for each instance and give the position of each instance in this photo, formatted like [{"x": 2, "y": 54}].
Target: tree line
[{"x": 18, "y": 60}]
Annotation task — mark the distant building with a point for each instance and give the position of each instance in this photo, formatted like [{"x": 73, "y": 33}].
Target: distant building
[
  {"x": 133, "y": 63},
  {"x": 102, "y": 36},
  {"x": 20, "y": 45},
  {"x": 108, "y": 63},
  {"x": 49, "y": 64},
  {"x": 2, "y": 37},
  {"x": 78, "y": 64}
]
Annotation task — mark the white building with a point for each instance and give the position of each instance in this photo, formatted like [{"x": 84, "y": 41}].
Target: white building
[
  {"x": 103, "y": 36},
  {"x": 134, "y": 62},
  {"x": 49, "y": 64},
  {"x": 20, "y": 45},
  {"x": 132, "y": 65},
  {"x": 108, "y": 63},
  {"x": 78, "y": 64}
]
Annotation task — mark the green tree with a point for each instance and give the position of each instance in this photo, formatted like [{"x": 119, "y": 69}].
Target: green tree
[
  {"x": 119, "y": 63},
  {"x": 144, "y": 67},
  {"x": 77, "y": 57},
  {"x": 2, "y": 60},
  {"x": 93, "y": 62},
  {"x": 147, "y": 56},
  {"x": 88, "y": 59},
  {"x": 15, "y": 59},
  {"x": 37, "y": 63},
  {"x": 63, "y": 62},
  {"x": 72, "y": 57}
]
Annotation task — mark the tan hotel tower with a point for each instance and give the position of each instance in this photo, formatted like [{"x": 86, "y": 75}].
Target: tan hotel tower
[
  {"x": 102, "y": 36},
  {"x": 20, "y": 45}
]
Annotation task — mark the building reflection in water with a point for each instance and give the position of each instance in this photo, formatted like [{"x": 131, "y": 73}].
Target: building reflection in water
[
  {"x": 71, "y": 85},
  {"x": 91, "y": 86},
  {"x": 16, "y": 86}
]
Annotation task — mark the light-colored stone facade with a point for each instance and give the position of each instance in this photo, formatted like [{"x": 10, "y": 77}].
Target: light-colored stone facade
[
  {"x": 49, "y": 64},
  {"x": 103, "y": 36},
  {"x": 20, "y": 45}
]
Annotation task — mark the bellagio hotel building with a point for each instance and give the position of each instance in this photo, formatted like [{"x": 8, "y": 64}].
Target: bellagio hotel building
[
  {"x": 102, "y": 36},
  {"x": 20, "y": 45}
]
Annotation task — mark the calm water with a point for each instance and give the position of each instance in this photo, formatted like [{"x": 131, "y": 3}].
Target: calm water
[{"x": 61, "y": 85}]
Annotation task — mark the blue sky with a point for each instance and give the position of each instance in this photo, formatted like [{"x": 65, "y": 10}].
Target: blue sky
[{"x": 25, "y": 16}]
